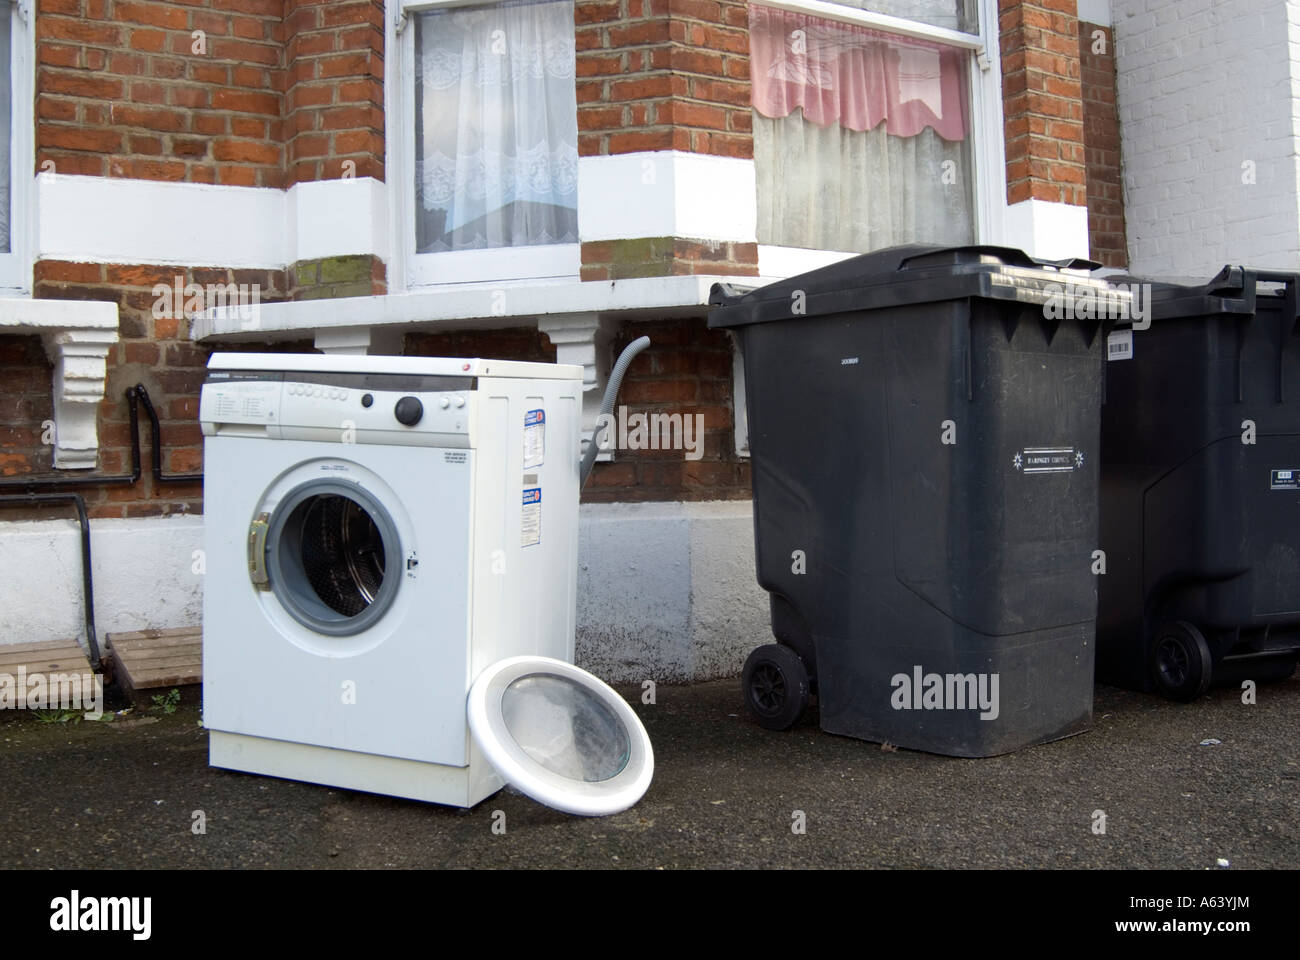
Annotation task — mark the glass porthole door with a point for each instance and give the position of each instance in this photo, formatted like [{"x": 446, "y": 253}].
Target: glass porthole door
[
  {"x": 560, "y": 735},
  {"x": 330, "y": 553}
]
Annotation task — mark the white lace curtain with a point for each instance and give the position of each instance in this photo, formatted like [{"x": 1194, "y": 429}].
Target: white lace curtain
[
  {"x": 860, "y": 137},
  {"x": 496, "y": 127}
]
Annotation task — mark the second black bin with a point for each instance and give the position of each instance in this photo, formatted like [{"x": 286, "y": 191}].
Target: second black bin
[
  {"x": 924, "y": 430},
  {"x": 1201, "y": 489}
]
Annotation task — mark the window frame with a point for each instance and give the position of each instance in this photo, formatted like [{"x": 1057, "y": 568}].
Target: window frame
[
  {"x": 456, "y": 268},
  {"x": 988, "y": 189},
  {"x": 16, "y": 265}
]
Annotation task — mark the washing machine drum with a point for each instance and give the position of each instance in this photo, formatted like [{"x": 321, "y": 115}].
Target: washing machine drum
[
  {"x": 332, "y": 556},
  {"x": 560, "y": 735}
]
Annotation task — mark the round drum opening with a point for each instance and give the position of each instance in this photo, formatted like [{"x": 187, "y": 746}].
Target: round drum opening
[
  {"x": 565, "y": 727},
  {"x": 333, "y": 557}
]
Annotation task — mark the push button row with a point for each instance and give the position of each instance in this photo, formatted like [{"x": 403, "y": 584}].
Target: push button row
[{"x": 311, "y": 390}]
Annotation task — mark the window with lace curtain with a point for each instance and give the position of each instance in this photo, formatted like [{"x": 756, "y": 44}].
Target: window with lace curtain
[
  {"x": 496, "y": 136},
  {"x": 862, "y": 134}
]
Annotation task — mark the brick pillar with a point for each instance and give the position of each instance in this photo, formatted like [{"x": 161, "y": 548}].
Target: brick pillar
[
  {"x": 334, "y": 122},
  {"x": 1042, "y": 101},
  {"x": 334, "y": 102},
  {"x": 657, "y": 75},
  {"x": 1106, "y": 231}
]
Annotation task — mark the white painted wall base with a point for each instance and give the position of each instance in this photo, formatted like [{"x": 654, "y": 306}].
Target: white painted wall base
[
  {"x": 143, "y": 571},
  {"x": 666, "y": 591}
]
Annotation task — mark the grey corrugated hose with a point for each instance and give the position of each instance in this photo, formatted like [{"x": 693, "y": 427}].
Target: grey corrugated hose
[{"x": 607, "y": 405}]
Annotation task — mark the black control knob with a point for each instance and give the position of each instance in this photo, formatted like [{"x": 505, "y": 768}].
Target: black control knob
[{"x": 409, "y": 410}]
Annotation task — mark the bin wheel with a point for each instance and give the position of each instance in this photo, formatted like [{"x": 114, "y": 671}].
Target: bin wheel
[
  {"x": 776, "y": 686},
  {"x": 1180, "y": 661}
]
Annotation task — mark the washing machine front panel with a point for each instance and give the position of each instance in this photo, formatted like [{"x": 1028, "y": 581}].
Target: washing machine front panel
[{"x": 337, "y": 603}]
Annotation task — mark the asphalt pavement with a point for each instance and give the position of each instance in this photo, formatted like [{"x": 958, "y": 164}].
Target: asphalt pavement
[{"x": 1175, "y": 786}]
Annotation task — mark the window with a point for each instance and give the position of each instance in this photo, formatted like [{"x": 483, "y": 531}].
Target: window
[
  {"x": 15, "y": 148},
  {"x": 6, "y": 123},
  {"x": 863, "y": 134},
  {"x": 495, "y": 152}
]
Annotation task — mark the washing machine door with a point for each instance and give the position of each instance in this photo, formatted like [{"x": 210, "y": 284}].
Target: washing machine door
[{"x": 560, "y": 735}]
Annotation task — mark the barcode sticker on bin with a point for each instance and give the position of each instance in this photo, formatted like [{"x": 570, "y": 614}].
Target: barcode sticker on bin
[{"x": 1119, "y": 345}]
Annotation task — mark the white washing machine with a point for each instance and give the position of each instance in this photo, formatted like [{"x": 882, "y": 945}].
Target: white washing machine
[{"x": 380, "y": 534}]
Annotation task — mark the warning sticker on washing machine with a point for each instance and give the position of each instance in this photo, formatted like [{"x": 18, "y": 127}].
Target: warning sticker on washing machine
[
  {"x": 534, "y": 438},
  {"x": 531, "y": 522}
]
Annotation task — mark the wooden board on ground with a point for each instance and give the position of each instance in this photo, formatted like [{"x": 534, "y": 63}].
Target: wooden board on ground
[
  {"x": 153, "y": 659},
  {"x": 47, "y": 656}
]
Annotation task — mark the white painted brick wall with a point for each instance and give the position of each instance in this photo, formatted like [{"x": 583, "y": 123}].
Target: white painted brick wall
[{"x": 1203, "y": 87}]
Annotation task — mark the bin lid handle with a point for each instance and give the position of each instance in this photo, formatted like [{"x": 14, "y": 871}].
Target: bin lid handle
[{"x": 1011, "y": 256}]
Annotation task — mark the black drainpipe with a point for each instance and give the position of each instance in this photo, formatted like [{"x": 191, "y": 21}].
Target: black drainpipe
[
  {"x": 47, "y": 489},
  {"x": 156, "y": 448},
  {"x": 88, "y": 587}
]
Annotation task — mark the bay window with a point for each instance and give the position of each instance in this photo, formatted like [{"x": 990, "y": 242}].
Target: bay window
[
  {"x": 15, "y": 147},
  {"x": 495, "y": 144},
  {"x": 863, "y": 126}
]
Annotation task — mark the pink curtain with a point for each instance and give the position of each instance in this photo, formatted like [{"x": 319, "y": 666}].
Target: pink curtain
[{"x": 839, "y": 73}]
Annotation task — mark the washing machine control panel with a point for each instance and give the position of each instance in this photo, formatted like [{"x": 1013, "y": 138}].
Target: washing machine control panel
[{"x": 344, "y": 408}]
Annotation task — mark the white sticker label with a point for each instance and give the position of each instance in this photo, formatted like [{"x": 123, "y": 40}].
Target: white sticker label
[
  {"x": 1047, "y": 460},
  {"x": 531, "y": 524},
  {"x": 1119, "y": 345},
  {"x": 534, "y": 438}
]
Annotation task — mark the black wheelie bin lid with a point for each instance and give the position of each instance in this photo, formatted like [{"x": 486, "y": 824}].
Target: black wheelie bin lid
[
  {"x": 1233, "y": 290},
  {"x": 914, "y": 273}
]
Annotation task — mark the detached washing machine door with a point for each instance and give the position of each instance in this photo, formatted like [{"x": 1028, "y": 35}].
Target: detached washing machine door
[{"x": 560, "y": 735}]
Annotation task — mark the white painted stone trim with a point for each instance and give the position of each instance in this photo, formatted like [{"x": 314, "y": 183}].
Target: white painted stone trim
[
  {"x": 666, "y": 194},
  {"x": 1051, "y": 231},
  {"x": 780, "y": 263},
  {"x": 118, "y": 220},
  {"x": 77, "y": 335},
  {"x": 577, "y": 317},
  {"x": 462, "y": 306}
]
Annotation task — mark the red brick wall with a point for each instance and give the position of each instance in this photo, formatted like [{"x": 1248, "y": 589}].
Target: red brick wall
[
  {"x": 663, "y": 75},
  {"x": 275, "y": 92},
  {"x": 280, "y": 92},
  {"x": 157, "y": 352},
  {"x": 687, "y": 370},
  {"x": 1106, "y": 233},
  {"x": 334, "y": 106},
  {"x": 121, "y": 92},
  {"x": 1042, "y": 101},
  {"x": 26, "y": 404}
]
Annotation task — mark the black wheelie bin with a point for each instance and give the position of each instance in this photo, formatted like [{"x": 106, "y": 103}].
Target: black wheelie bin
[
  {"x": 1200, "y": 489},
  {"x": 924, "y": 426}
]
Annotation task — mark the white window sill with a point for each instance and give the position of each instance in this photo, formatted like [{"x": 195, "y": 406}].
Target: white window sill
[{"x": 77, "y": 335}]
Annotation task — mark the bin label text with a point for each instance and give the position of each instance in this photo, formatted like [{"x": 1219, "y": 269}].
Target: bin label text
[{"x": 1047, "y": 460}]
